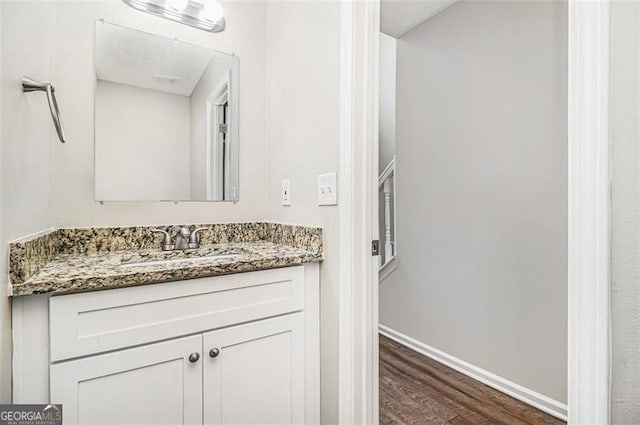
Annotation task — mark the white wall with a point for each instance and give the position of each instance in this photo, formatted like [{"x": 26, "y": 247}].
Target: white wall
[
  {"x": 387, "y": 101},
  {"x": 73, "y": 193},
  {"x": 45, "y": 183},
  {"x": 140, "y": 155},
  {"x": 303, "y": 47},
  {"x": 211, "y": 77},
  {"x": 481, "y": 155},
  {"x": 27, "y": 137},
  {"x": 301, "y": 141},
  {"x": 625, "y": 220}
]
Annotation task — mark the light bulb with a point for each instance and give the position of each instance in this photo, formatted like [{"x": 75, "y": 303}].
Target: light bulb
[
  {"x": 179, "y": 5},
  {"x": 212, "y": 11}
]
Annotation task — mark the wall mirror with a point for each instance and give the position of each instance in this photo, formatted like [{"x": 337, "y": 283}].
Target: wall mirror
[{"x": 166, "y": 119}]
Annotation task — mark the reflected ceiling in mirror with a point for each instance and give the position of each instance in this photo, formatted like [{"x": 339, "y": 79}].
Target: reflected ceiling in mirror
[{"x": 166, "y": 119}]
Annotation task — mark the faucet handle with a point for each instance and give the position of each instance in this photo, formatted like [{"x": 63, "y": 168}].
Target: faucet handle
[
  {"x": 166, "y": 245},
  {"x": 194, "y": 241}
]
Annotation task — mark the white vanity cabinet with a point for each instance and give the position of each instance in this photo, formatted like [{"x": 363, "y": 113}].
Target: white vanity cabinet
[
  {"x": 154, "y": 384},
  {"x": 235, "y": 349},
  {"x": 257, "y": 373}
]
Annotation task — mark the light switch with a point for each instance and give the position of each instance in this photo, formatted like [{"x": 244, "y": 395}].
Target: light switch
[
  {"x": 328, "y": 189},
  {"x": 286, "y": 192}
]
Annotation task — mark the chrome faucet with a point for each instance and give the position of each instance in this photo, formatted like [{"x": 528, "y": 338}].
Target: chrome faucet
[
  {"x": 185, "y": 239},
  {"x": 182, "y": 239}
]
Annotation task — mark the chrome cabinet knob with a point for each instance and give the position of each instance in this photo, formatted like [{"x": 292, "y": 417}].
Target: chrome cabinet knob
[
  {"x": 194, "y": 357},
  {"x": 214, "y": 352}
]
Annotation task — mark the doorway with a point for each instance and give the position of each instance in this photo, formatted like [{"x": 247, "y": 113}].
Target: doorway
[
  {"x": 481, "y": 158},
  {"x": 587, "y": 224}
]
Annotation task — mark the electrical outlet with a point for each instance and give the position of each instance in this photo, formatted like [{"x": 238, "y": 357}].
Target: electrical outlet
[
  {"x": 286, "y": 192},
  {"x": 328, "y": 189}
]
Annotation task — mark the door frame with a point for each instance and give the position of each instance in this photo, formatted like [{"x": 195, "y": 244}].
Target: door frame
[
  {"x": 588, "y": 216},
  {"x": 357, "y": 211},
  {"x": 220, "y": 95},
  {"x": 589, "y": 213}
]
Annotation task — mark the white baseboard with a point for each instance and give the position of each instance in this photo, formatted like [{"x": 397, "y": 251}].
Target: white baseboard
[{"x": 537, "y": 400}]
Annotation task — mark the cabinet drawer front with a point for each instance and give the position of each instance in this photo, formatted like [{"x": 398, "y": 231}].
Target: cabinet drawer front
[{"x": 94, "y": 322}]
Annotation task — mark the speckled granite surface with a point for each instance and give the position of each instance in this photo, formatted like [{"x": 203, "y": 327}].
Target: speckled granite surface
[
  {"x": 74, "y": 260},
  {"x": 31, "y": 254}
]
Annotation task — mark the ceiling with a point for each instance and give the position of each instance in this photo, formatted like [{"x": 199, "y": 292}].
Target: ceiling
[
  {"x": 138, "y": 59},
  {"x": 397, "y": 17}
]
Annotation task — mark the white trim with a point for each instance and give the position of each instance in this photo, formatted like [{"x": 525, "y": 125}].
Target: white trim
[
  {"x": 526, "y": 395},
  {"x": 589, "y": 204},
  {"x": 387, "y": 268},
  {"x": 388, "y": 170},
  {"x": 390, "y": 246},
  {"x": 395, "y": 212},
  {"x": 30, "y": 349},
  {"x": 346, "y": 219},
  {"x": 218, "y": 97},
  {"x": 312, "y": 342},
  {"x": 358, "y": 213}
]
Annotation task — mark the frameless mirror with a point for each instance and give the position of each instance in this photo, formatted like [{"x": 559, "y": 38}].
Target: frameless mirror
[{"x": 166, "y": 119}]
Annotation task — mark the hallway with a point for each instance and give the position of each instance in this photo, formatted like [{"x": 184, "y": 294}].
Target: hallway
[{"x": 415, "y": 389}]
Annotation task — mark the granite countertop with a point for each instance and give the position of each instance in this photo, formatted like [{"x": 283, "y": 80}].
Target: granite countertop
[
  {"x": 80, "y": 260},
  {"x": 106, "y": 270}
]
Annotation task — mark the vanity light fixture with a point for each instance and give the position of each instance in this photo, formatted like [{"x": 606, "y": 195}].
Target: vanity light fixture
[{"x": 206, "y": 15}]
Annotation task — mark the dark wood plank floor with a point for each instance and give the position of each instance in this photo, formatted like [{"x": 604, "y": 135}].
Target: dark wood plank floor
[{"x": 415, "y": 389}]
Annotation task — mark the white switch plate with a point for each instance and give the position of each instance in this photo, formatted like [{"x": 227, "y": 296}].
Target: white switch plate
[
  {"x": 327, "y": 189},
  {"x": 286, "y": 192}
]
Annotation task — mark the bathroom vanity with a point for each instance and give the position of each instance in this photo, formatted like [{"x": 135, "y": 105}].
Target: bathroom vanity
[
  {"x": 225, "y": 333},
  {"x": 139, "y": 325}
]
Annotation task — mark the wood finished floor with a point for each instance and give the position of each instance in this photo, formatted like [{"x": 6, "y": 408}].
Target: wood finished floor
[{"x": 415, "y": 389}]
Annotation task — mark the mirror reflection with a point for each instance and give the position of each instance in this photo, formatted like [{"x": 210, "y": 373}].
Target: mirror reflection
[{"x": 166, "y": 119}]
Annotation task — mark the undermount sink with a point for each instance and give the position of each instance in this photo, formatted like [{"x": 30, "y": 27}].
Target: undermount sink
[{"x": 181, "y": 261}]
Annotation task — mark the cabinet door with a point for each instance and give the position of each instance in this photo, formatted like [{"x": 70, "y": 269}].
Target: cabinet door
[
  {"x": 256, "y": 376},
  {"x": 155, "y": 384}
]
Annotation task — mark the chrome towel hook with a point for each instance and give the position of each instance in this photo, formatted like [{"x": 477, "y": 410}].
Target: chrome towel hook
[{"x": 31, "y": 85}]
